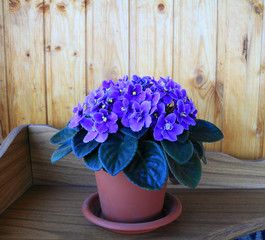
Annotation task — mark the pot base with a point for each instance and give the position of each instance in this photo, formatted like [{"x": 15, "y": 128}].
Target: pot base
[{"x": 171, "y": 210}]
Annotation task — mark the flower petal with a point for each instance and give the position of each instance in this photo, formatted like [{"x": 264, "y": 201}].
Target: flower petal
[
  {"x": 102, "y": 137},
  {"x": 171, "y": 118},
  {"x": 157, "y": 134},
  {"x": 113, "y": 128},
  {"x": 90, "y": 136}
]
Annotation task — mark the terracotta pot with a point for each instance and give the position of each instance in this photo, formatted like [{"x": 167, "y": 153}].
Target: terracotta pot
[{"x": 123, "y": 201}]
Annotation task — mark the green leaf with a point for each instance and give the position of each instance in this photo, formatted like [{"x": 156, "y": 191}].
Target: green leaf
[
  {"x": 92, "y": 161},
  {"x": 62, "y": 150},
  {"x": 184, "y": 136},
  {"x": 62, "y": 135},
  {"x": 200, "y": 150},
  {"x": 180, "y": 152},
  {"x": 172, "y": 178},
  {"x": 137, "y": 135},
  {"x": 80, "y": 148},
  {"x": 205, "y": 131},
  {"x": 148, "y": 169},
  {"x": 188, "y": 174},
  {"x": 117, "y": 152}
]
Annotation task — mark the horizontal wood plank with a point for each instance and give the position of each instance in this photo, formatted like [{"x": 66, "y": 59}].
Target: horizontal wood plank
[
  {"x": 15, "y": 167},
  {"x": 54, "y": 212},
  {"x": 222, "y": 171}
]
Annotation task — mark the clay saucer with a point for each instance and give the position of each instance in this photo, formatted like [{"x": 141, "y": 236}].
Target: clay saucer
[{"x": 92, "y": 211}]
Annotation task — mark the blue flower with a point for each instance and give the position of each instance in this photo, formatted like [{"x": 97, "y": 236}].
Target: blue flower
[
  {"x": 78, "y": 115},
  {"x": 183, "y": 111},
  {"x": 140, "y": 116},
  {"x": 167, "y": 128},
  {"x": 135, "y": 93}
]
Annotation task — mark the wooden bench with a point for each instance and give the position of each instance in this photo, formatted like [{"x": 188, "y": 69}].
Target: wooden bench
[{"x": 40, "y": 200}]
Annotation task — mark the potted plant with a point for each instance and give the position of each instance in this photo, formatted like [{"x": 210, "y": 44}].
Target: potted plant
[{"x": 135, "y": 133}]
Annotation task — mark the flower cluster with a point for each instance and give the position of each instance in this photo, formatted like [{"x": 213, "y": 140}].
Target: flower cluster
[{"x": 136, "y": 104}]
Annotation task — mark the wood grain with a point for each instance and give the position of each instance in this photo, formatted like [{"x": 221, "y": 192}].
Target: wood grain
[
  {"x": 222, "y": 171},
  {"x": 4, "y": 122},
  {"x": 151, "y": 38},
  {"x": 25, "y": 62},
  {"x": 107, "y": 41},
  {"x": 70, "y": 170},
  {"x": 15, "y": 167},
  {"x": 242, "y": 36},
  {"x": 52, "y": 212},
  {"x": 195, "y": 33},
  {"x": 261, "y": 106},
  {"x": 65, "y": 58}
]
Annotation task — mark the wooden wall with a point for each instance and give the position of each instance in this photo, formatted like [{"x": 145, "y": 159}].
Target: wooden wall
[{"x": 54, "y": 52}]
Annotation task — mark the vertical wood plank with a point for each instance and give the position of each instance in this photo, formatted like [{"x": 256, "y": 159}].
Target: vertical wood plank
[
  {"x": 65, "y": 58},
  {"x": 195, "y": 31},
  {"x": 261, "y": 106},
  {"x": 242, "y": 49},
  {"x": 4, "y": 122},
  {"x": 25, "y": 62},
  {"x": 107, "y": 41},
  {"x": 151, "y": 37}
]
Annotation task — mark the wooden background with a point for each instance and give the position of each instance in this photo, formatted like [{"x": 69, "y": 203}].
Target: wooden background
[{"x": 54, "y": 52}]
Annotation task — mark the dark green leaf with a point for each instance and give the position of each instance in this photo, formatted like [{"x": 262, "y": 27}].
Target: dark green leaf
[
  {"x": 148, "y": 169},
  {"x": 62, "y": 150},
  {"x": 188, "y": 174},
  {"x": 137, "y": 135},
  {"x": 180, "y": 152},
  {"x": 80, "y": 148},
  {"x": 92, "y": 160},
  {"x": 205, "y": 131},
  {"x": 62, "y": 135},
  {"x": 117, "y": 152},
  {"x": 198, "y": 146},
  {"x": 172, "y": 178},
  {"x": 184, "y": 136}
]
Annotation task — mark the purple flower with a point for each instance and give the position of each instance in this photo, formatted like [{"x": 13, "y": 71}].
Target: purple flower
[
  {"x": 140, "y": 116},
  {"x": 168, "y": 90},
  {"x": 78, "y": 115},
  {"x": 100, "y": 126},
  {"x": 167, "y": 128},
  {"x": 107, "y": 84},
  {"x": 145, "y": 81},
  {"x": 183, "y": 111},
  {"x": 153, "y": 98},
  {"x": 93, "y": 100},
  {"x": 157, "y": 113},
  {"x": 105, "y": 121},
  {"x": 88, "y": 124},
  {"x": 135, "y": 93},
  {"x": 120, "y": 108}
]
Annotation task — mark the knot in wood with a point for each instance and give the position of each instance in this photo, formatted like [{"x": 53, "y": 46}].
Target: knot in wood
[
  {"x": 61, "y": 7},
  {"x": 58, "y": 48},
  {"x": 14, "y": 5},
  {"x": 161, "y": 7},
  {"x": 199, "y": 79}
]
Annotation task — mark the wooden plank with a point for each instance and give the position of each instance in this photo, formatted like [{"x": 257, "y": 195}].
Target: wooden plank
[
  {"x": 69, "y": 170},
  {"x": 261, "y": 104},
  {"x": 65, "y": 58},
  {"x": 25, "y": 62},
  {"x": 151, "y": 38},
  {"x": 54, "y": 212},
  {"x": 222, "y": 171},
  {"x": 243, "y": 35},
  {"x": 4, "y": 121},
  {"x": 195, "y": 31},
  {"x": 107, "y": 41},
  {"x": 15, "y": 167}
]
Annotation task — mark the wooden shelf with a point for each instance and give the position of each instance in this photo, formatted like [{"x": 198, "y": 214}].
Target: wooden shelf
[{"x": 39, "y": 200}]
